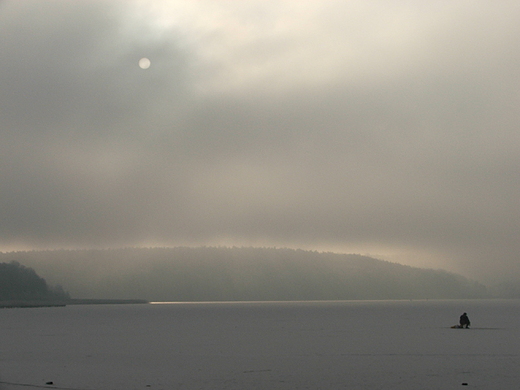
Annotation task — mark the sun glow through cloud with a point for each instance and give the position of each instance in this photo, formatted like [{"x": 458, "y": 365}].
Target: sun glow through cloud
[
  {"x": 382, "y": 128},
  {"x": 144, "y": 63}
]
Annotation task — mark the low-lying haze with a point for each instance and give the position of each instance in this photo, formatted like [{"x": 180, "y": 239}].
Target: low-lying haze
[{"x": 385, "y": 128}]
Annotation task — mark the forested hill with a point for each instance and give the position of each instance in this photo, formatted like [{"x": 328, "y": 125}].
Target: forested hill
[
  {"x": 20, "y": 283},
  {"x": 212, "y": 274}
]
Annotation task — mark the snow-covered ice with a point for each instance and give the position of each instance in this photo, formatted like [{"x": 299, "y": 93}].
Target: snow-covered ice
[{"x": 263, "y": 345}]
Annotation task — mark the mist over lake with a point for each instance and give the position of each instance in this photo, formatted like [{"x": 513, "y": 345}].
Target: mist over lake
[
  {"x": 263, "y": 345},
  {"x": 239, "y": 274},
  {"x": 386, "y": 128},
  {"x": 332, "y": 154}
]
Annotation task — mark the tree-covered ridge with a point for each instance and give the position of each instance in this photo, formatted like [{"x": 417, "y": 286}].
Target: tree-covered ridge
[
  {"x": 217, "y": 274},
  {"x": 20, "y": 283}
]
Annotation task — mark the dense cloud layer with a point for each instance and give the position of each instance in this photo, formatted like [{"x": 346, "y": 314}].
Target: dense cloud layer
[{"x": 388, "y": 128}]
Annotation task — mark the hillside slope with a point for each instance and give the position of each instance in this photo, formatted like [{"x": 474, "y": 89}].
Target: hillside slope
[{"x": 213, "y": 274}]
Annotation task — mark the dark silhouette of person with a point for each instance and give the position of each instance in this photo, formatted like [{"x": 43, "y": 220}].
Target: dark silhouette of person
[{"x": 464, "y": 321}]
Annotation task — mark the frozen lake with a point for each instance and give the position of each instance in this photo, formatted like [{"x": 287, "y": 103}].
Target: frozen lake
[{"x": 265, "y": 345}]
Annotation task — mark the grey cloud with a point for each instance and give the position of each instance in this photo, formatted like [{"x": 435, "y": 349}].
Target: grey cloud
[
  {"x": 73, "y": 68},
  {"x": 422, "y": 156}
]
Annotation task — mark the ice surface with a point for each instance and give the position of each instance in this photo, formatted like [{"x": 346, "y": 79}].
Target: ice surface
[{"x": 278, "y": 345}]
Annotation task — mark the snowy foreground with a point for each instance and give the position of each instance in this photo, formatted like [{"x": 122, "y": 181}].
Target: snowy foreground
[{"x": 283, "y": 345}]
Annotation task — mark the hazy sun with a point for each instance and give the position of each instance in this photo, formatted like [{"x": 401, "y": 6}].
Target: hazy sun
[{"x": 144, "y": 63}]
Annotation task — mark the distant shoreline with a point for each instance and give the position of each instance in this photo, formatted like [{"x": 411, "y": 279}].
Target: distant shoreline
[
  {"x": 29, "y": 304},
  {"x": 24, "y": 304},
  {"x": 106, "y": 301}
]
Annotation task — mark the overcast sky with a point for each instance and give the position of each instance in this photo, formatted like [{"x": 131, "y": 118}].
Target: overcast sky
[{"x": 388, "y": 128}]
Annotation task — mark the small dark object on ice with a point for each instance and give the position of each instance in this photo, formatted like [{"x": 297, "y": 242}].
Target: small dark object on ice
[
  {"x": 464, "y": 384},
  {"x": 464, "y": 321},
  {"x": 49, "y": 383}
]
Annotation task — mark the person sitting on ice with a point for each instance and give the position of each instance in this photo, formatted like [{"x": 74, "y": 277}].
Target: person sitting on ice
[{"x": 464, "y": 321}]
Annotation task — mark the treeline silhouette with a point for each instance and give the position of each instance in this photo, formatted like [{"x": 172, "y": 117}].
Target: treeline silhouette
[
  {"x": 20, "y": 283},
  {"x": 218, "y": 274}
]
